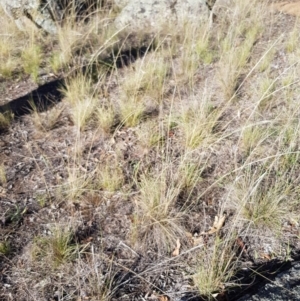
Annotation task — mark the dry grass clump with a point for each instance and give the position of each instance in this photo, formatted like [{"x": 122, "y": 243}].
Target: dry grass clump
[
  {"x": 97, "y": 277},
  {"x": 156, "y": 221},
  {"x": 192, "y": 152},
  {"x": 198, "y": 121},
  {"x": 9, "y": 46},
  {"x": 109, "y": 176},
  {"x": 190, "y": 173},
  {"x": 292, "y": 42},
  {"x": 5, "y": 248},
  {"x": 2, "y": 174},
  {"x": 267, "y": 58},
  {"x": 105, "y": 116},
  {"x": 8, "y": 62},
  {"x": 56, "y": 249},
  {"x": 48, "y": 120},
  {"x": 5, "y": 120},
  {"x": 237, "y": 45},
  {"x": 81, "y": 98},
  {"x": 196, "y": 51},
  {"x": 76, "y": 185},
  {"x": 215, "y": 272},
  {"x": 266, "y": 88},
  {"x": 253, "y": 138},
  {"x": 147, "y": 77},
  {"x": 31, "y": 57},
  {"x": 132, "y": 110},
  {"x": 142, "y": 89},
  {"x": 151, "y": 133},
  {"x": 261, "y": 199}
]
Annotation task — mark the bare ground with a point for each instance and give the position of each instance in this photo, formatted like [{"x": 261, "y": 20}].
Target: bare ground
[{"x": 38, "y": 162}]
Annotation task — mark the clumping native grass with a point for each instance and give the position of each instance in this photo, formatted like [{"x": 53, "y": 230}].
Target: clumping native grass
[
  {"x": 232, "y": 65},
  {"x": 266, "y": 87},
  {"x": 69, "y": 39},
  {"x": 289, "y": 135},
  {"x": 31, "y": 60},
  {"x": 196, "y": 50},
  {"x": 79, "y": 180},
  {"x": 266, "y": 59},
  {"x": 80, "y": 96},
  {"x": 203, "y": 49},
  {"x": 48, "y": 120},
  {"x": 109, "y": 176},
  {"x": 7, "y": 67},
  {"x": 215, "y": 269},
  {"x": 97, "y": 277},
  {"x": 5, "y": 248},
  {"x": 7, "y": 61},
  {"x": 146, "y": 78},
  {"x": 189, "y": 174},
  {"x": 77, "y": 183},
  {"x": 236, "y": 48},
  {"x": 5, "y": 120},
  {"x": 2, "y": 174},
  {"x": 198, "y": 121},
  {"x": 289, "y": 81},
  {"x": 57, "y": 248},
  {"x": 105, "y": 117},
  {"x": 57, "y": 62},
  {"x": 9, "y": 46},
  {"x": 87, "y": 39},
  {"x": 293, "y": 40},
  {"x": 156, "y": 222},
  {"x": 262, "y": 202},
  {"x": 132, "y": 110},
  {"x": 150, "y": 134},
  {"x": 287, "y": 141},
  {"x": 252, "y": 138}
]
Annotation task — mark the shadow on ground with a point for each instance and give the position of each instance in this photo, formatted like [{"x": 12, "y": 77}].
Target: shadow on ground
[
  {"x": 42, "y": 98},
  {"x": 49, "y": 94}
]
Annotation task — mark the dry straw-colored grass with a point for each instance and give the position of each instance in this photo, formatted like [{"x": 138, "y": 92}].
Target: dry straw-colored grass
[{"x": 217, "y": 123}]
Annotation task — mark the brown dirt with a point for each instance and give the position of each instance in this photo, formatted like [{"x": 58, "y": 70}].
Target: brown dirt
[{"x": 36, "y": 164}]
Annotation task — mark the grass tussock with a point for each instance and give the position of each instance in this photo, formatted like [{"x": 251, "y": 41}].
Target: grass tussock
[
  {"x": 79, "y": 95},
  {"x": 213, "y": 275},
  {"x": 57, "y": 249},
  {"x": 146, "y": 149},
  {"x": 31, "y": 57},
  {"x": 3, "y": 179},
  {"x": 109, "y": 176},
  {"x": 198, "y": 122},
  {"x": 5, "y": 248},
  {"x": 48, "y": 120},
  {"x": 5, "y": 120},
  {"x": 147, "y": 77},
  {"x": 106, "y": 117},
  {"x": 262, "y": 201},
  {"x": 78, "y": 182},
  {"x": 156, "y": 221}
]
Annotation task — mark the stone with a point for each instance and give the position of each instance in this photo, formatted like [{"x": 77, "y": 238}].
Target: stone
[
  {"x": 140, "y": 15},
  {"x": 41, "y": 13},
  {"x": 135, "y": 15},
  {"x": 45, "y": 14},
  {"x": 285, "y": 287}
]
